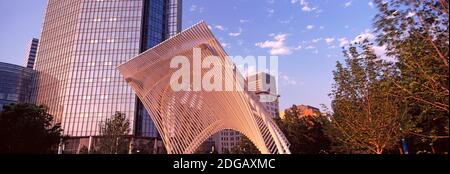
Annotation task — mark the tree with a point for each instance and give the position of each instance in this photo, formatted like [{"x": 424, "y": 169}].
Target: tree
[
  {"x": 245, "y": 146},
  {"x": 206, "y": 148},
  {"x": 366, "y": 118},
  {"x": 415, "y": 33},
  {"x": 84, "y": 150},
  {"x": 113, "y": 134},
  {"x": 306, "y": 134},
  {"x": 28, "y": 129}
]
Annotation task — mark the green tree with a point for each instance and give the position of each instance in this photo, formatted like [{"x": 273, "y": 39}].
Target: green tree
[
  {"x": 245, "y": 146},
  {"x": 84, "y": 150},
  {"x": 415, "y": 33},
  {"x": 28, "y": 129},
  {"x": 366, "y": 117},
  {"x": 306, "y": 134},
  {"x": 113, "y": 134},
  {"x": 206, "y": 148}
]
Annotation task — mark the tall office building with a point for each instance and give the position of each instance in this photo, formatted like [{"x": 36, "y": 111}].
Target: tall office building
[
  {"x": 266, "y": 92},
  {"x": 82, "y": 43},
  {"x": 30, "y": 54}
]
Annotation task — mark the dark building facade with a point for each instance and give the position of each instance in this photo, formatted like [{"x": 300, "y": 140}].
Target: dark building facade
[
  {"x": 16, "y": 83},
  {"x": 82, "y": 42},
  {"x": 30, "y": 54}
]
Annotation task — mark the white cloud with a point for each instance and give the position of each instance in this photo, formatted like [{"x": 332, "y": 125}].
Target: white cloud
[
  {"x": 371, "y": 4},
  {"x": 220, "y": 27},
  {"x": 271, "y": 12},
  {"x": 329, "y": 40},
  {"x": 285, "y": 21},
  {"x": 305, "y": 5},
  {"x": 321, "y": 27},
  {"x": 316, "y": 40},
  {"x": 236, "y": 34},
  {"x": 276, "y": 46},
  {"x": 310, "y": 27},
  {"x": 363, "y": 36},
  {"x": 193, "y": 8},
  {"x": 226, "y": 45},
  {"x": 310, "y": 47},
  {"x": 343, "y": 42},
  {"x": 348, "y": 4},
  {"x": 306, "y": 8},
  {"x": 380, "y": 51},
  {"x": 346, "y": 26},
  {"x": 242, "y": 21},
  {"x": 286, "y": 80}
]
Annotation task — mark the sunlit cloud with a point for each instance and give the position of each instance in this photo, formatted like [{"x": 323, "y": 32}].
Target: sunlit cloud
[
  {"x": 310, "y": 47},
  {"x": 271, "y": 12},
  {"x": 329, "y": 40},
  {"x": 305, "y": 6},
  {"x": 316, "y": 40},
  {"x": 226, "y": 45},
  {"x": 242, "y": 21},
  {"x": 348, "y": 4},
  {"x": 343, "y": 42},
  {"x": 371, "y": 5},
  {"x": 236, "y": 34},
  {"x": 220, "y": 27},
  {"x": 195, "y": 8},
  {"x": 287, "y": 80},
  {"x": 277, "y": 45},
  {"x": 366, "y": 35}
]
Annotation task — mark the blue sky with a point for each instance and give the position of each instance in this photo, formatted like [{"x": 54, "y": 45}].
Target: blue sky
[{"x": 307, "y": 35}]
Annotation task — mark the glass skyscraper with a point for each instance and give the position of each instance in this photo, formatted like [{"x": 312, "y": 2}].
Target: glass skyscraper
[
  {"x": 16, "y": 83},
  {"x": 82, "y": 42}
]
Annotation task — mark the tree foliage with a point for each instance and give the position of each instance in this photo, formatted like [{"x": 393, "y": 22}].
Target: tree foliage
[
  {"x": 366, "y": 118},
  {"x": 113, "y": 135},
  {"x": 416, "y": 34},
  {"x": 245, "y": 146},
  {"x": 306, "y": 134},
  {"x": 28, "y": 129},
  {"x": 375, "y": 103}
]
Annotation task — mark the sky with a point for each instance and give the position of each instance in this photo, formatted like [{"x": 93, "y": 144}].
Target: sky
[{"x": 306, "y": 35}]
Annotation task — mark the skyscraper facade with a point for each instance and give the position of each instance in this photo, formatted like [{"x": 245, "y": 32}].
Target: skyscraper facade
[
  {"x": 82, "y": 42},
  {"x": 266, "y": 92},
  {"x": 30, "y": 54},
  {"x": 16, "y": 83}
]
